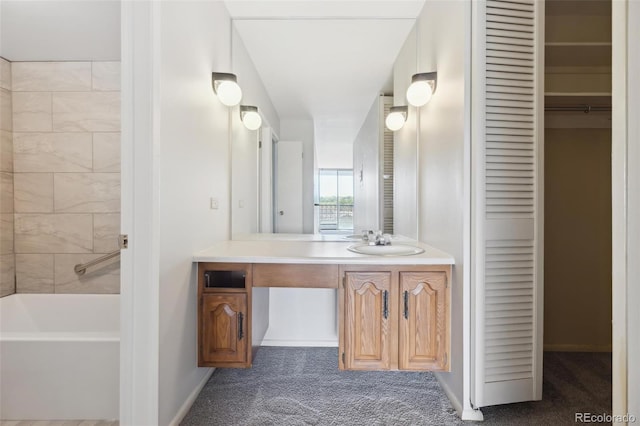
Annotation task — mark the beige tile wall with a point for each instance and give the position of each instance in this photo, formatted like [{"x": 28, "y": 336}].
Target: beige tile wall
[
  {"x": 66, "y": 174},
  {"x": 7, "y": 256}
]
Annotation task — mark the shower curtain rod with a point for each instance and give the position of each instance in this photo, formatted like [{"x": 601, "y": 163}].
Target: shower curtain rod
[{"x": 579, "y": 107}]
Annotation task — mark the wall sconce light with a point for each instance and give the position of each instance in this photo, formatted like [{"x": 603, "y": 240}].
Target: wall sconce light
[
  {"x": 423, "y": 85},
  {"x": 396, "y": 118},
  {"x": 225, "y": 85},
  {"x": 250, "y": 117}
]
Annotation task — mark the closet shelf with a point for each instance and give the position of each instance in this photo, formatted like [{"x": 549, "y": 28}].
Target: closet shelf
[
  {"x": 577, "y": 9},
  {"x": 561, "y": 54}
]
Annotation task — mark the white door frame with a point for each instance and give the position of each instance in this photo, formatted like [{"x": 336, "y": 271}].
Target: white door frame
[
  {"x": 139, "y": 288},
  {"x": 265, "y": 185},
  {"x": 626, "y": 207}
]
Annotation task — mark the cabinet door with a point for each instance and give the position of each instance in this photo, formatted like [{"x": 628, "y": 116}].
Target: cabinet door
[
  {"x": 367, "y": 320},
  {"x": 424, "y": 324},
  {"x": 224, "y": 327}
]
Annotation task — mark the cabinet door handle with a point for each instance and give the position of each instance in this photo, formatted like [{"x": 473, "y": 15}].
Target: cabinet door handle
[
  {"x": 385, "y": 303},
  {"x": 406, "y": 305},
  {"x": 240, "y": 328}
]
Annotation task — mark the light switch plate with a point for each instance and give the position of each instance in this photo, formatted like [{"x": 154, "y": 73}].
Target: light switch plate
[{"x": 214, "y": 203}]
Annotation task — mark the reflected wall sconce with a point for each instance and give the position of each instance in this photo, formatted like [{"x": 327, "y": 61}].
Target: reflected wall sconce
[
  {"x": 396, "y": 118},
  {"x": 422, "y": 87},
  {"x": 250, "y": 117},
  {"x": 225, "y": 85}
]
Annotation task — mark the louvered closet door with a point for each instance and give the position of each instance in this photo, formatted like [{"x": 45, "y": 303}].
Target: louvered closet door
[
  {"x": 387, "y": 171},
  {"x": 508, "y": 303}
]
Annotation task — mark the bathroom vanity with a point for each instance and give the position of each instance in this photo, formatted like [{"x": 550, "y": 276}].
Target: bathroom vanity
[{"x": 393, "y": 311}]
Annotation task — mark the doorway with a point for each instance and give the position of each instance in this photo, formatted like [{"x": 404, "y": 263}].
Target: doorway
[
  {"x": 288, "y": 166},
  {"x": 335, "y": 200},
  {"x": 577, "y": 214}
]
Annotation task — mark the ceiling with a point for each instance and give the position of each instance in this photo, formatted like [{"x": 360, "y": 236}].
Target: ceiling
[
  {"x": 325, "y": 60},
  {"x": 60, "y": 30}
]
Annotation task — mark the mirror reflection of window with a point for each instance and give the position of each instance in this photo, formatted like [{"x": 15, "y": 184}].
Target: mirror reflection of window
[{"x": 335, "y": 200}]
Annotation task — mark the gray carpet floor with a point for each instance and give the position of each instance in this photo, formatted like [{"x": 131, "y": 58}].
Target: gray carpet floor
[
  {"x": 303, "y": 386},
  {"x": 573, "y": 382}
]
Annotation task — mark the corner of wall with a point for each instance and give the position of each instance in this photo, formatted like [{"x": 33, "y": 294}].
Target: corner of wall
[{"x": 7, "y": 240}]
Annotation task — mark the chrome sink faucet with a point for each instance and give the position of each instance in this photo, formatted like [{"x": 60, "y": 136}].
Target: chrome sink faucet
[
  {"x": 377, "y": 239},
  {"x": 367, "y": 235}
]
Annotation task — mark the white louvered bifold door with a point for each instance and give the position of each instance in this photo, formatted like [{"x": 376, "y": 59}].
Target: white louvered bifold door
[
  {"x": 508, "y": 215},
  {"x": 387, "y": 171}
]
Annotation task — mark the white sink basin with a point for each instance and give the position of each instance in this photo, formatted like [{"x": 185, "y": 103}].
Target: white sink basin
[{"x": 392, "y": 250}]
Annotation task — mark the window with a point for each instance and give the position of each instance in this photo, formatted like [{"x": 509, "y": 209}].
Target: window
[{"x": 335, "y": 199}]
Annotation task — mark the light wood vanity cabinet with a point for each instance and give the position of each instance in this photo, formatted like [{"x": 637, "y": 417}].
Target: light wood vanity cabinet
[
  {"x": 390, "y": 317},
  {"x": 224, "y": 315},
  {"x": 395, "y": 319},
  {"x": 224, "y": 328},
  {"x": 424, "y": 324},
  {"x": 367, "y": 323}
]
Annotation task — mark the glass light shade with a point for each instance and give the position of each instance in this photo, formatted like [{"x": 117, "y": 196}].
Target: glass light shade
[
  {"x": 419, "y": 93},
  {"x": 395, "y": 120},
  {"x": 251, "y": 120},
  {"x": 229, "y": 92}
]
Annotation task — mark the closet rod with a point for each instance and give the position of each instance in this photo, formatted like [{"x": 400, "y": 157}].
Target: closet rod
[{"x": 581, "y": 108}]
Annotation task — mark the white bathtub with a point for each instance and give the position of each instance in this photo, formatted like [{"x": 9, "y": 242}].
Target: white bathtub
[{"x": 59, "y": 356}]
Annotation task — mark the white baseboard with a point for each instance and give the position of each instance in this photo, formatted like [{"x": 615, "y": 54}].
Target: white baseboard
[
  {"x": 330, "y": 343},
  {"x": 182, "y": 412},
  {"x": 576, "y": 348},
  {"x": 469, "y": 414},
  {"x": 454, "y": 400}
]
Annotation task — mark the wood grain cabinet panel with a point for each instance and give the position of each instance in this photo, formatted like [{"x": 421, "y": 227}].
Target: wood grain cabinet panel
[
  {"x": 395, "y": 318},
  {"x": 368, "y": 311},
  {"x": 295, "y": 275},
  {"x": 423, "y": 326},
  {"x": 224, "y": 328}
]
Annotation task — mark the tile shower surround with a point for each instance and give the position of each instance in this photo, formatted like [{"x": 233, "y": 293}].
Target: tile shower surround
[{"x": 66, "y": 174}]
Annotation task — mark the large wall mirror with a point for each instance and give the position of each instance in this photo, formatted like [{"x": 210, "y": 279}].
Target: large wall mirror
[{"x": 323, "y": 160}]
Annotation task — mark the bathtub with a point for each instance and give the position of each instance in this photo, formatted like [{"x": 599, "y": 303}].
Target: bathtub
[{"x": 59, "y": 357}]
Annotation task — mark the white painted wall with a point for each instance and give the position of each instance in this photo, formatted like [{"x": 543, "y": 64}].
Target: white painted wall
[
  {"x": 60, "y": 30},
  {"x": 366, "y": 161},
  {"x": 244, "y": 176},
  {"x": 253, "y": 90},
  {"x": 443, "y": 30},
  {"x": 302, "y": 317},
  {"x": 405, "y": 200},
  {"x": 244, "y": 142},
  {"x": 193, "y": 139},
  {"x": 333, "y": 154},
  {"x": 302, "y": 130},
  {"x": 334, "y": 150},
  {"x": 444, "y": 144}
]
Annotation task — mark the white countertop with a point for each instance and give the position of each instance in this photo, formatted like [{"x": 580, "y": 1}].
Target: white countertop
[{"x": 268, "y": 248}]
